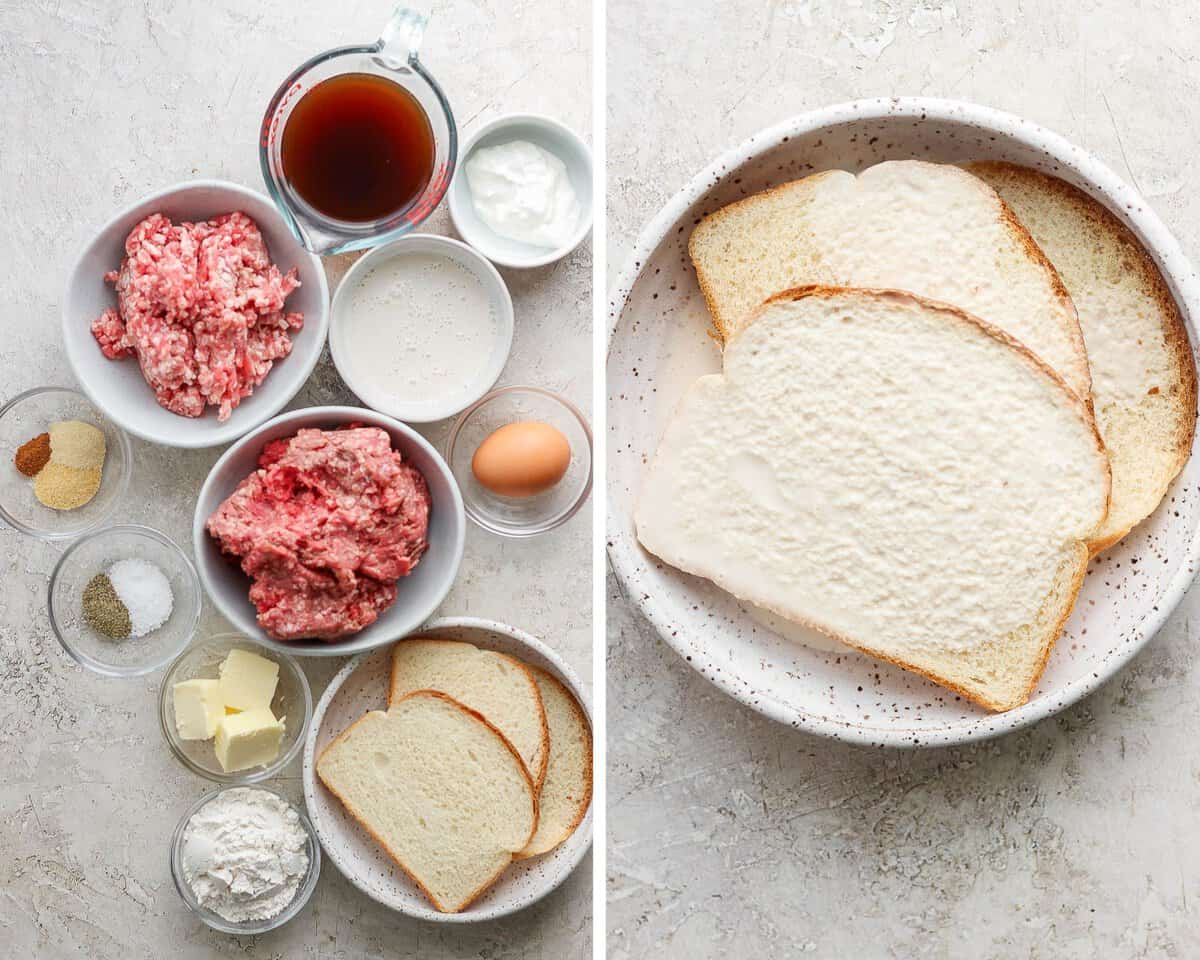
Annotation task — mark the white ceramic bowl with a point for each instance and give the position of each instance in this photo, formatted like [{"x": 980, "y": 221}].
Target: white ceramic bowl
[
  {"x": 659, "y": 344},
  {"x": 118, "y": 388},
  {"x": 418, "y": 595},
  {"x": 362, "y": 685},
  {"x": 551, "y": 136},
  {"x": 457, "y": 396}
]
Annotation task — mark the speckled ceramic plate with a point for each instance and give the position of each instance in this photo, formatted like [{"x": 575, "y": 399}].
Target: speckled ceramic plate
[
  {"x": 362, "y": 685},
  {"x": 659, "y": 344}
]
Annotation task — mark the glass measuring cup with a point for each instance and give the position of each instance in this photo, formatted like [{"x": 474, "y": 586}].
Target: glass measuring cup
[{"x": 394, "y": 57}]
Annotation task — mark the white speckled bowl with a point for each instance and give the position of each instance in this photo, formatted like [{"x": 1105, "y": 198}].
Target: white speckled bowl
[
  {"x": 417, "y": 596},
  {"x": 362, "y": 685},
  {"x": 658, "y": 345},
  {"x": 118, "y": 388}
]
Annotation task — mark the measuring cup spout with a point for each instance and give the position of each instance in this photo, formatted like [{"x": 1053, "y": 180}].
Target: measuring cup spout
[
  {"x": 401, "y": 38},
  {"x": 394, "y": 58},
  {"x": 311, "y": 235}
]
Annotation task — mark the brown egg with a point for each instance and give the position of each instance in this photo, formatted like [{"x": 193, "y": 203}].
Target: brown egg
[{"x": 522, "y": 459}]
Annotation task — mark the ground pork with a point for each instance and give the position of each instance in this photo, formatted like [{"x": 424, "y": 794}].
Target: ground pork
[{"x": 201, "y": 307}]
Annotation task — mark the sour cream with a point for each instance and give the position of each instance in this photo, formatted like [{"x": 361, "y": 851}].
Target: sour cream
[
  {"x": 523, "y": 192},
  {"x": 419, "y": 335}
]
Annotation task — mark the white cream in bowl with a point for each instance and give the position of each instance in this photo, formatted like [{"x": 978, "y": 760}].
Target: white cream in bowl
[
  {"x": 524, "y": 193},
  {"x": 421, "y": 328}
]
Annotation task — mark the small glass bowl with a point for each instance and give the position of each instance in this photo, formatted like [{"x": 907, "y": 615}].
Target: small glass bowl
[
  {"x": 215, "y": 920},
  {"x": 26, "y": 416},
  {"x": 96, "y": 552},
  {"x": 521, "y": 516},
  {"x": 293, "y": 703}
]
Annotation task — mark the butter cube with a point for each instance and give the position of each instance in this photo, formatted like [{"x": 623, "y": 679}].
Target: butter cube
[
  {"x": 198, "y": 709},
  {"x": 248, "y": 680},
  {"x": 248, "y": 739}
]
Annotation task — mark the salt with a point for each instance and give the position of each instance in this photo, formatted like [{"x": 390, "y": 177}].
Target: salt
[{"x": 146, "y": 593}]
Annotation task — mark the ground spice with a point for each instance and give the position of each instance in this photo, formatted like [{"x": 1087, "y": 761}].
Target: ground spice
[
  {"x": 65, "y": 488},
  {"x": 74, "y": 443},
  {"x": 103, "y": 609},
  {"x": 33, "y": 455}
]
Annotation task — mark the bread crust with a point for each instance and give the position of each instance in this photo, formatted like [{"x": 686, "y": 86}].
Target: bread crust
[
  {"x": 1024, "y": 238},
  {"x": 586, "y": 801},
  {"x": 712, "y": 219},
  {"x": 1079, "y": 570},
  {"x": 478, "y": 717},
  {"x": 1035, "y": 253},
  {"x": 998, "y": 706},
  {"x": 539, "y": 775},
  {"x": 1174, "y": 330}
]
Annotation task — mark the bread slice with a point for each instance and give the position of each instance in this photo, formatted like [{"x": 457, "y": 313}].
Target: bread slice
[
  {"x": 932, "y": 229},
  {"x": 893, "y": 473},
  {"x": 440, "y": 789},
  {"x": 567, "y": 792},
  {"x": 498, "y": 686},
  {"x": 1143, "y": 373}
]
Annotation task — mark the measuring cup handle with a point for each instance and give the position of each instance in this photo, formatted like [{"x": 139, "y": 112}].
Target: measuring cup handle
[{"x": 401, "y": 37}]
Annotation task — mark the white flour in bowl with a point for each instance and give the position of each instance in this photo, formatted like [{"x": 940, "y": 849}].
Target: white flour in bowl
[{"x": 244, "y": 854}]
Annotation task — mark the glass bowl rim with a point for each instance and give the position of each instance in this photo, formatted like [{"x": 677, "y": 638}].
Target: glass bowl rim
[
  {"x": 563, "y": 515},
  {"x": 251, "y": 927},
  {"x": 238, "y": 778},
  {"x": 189, "y": 573},
  {"x": 58, "y": 536},
  {"x": 356, "y": 236}
]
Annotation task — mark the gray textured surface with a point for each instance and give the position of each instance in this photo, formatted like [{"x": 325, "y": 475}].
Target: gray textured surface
[
  {"x": 107, "y": 101},
  {"x": 729, "y": 835}
]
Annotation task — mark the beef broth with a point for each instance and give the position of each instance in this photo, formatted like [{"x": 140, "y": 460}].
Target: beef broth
[{"x": 358, "y": 147}]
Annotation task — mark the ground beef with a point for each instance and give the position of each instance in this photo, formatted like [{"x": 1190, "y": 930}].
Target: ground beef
[
  {"x": 201, "y": 307},
  {"x": 324, "y": 528}
]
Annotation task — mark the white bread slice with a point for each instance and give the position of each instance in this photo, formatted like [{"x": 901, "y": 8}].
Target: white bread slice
[
  {"x": 497, "y": 686},
  {"x": 1143, "y": 373},
  {"x": 567, "y": 791},
  {"x": 893, "y": 473},
  {"x": 440, "y": 789},
  {"x": 932, "y": 229}
]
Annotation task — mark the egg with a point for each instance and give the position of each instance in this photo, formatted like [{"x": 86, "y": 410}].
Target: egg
[{"x": 522, "y": 459}]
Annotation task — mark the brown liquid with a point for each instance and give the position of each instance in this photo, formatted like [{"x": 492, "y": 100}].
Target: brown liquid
[{"x": 358, "y": 147}]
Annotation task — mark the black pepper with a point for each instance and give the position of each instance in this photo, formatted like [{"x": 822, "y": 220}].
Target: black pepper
[{"x": 103, "y": 609}]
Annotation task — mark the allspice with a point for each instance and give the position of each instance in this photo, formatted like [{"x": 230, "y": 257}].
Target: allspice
[{"x": 33, "y": 455}]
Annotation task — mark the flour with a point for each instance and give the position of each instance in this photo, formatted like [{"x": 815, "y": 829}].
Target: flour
[{"x": 244, "y": 854}]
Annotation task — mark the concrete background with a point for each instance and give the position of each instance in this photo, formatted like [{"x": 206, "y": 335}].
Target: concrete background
[
  {"x": 731, "y": 836},
  {"x": 104, "y": 102}
]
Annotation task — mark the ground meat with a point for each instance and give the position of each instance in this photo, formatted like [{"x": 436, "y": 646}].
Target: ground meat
[
  {"x": 201, "y": 307},
  {"x": 324, "y": 527}
]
